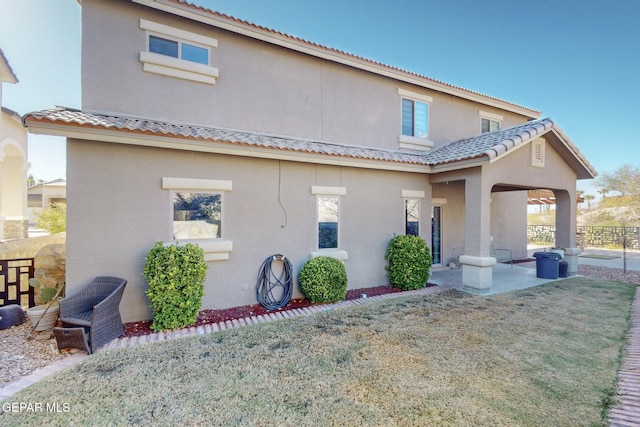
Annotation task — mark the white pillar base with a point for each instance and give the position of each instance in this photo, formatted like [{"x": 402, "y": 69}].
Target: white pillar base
[
  {"x": 477, "y": 272},
  {"x": 571, "y": 256}
]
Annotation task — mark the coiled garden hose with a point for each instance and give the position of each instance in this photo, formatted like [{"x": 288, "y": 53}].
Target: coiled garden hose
[{"x": 274, "y": 291}]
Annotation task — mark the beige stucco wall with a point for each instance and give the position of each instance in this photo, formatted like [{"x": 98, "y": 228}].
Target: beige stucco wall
[
  {"x": 261, "y": 87},
  {"x": 111, "y": 234}
]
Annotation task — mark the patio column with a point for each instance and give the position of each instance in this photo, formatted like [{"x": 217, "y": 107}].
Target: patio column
[
  {"x": 477, "y": 265},
  {"x": 566, "y": 226}
]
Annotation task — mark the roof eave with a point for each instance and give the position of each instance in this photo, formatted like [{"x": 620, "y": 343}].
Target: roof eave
[{"x": 101, "y": 134}]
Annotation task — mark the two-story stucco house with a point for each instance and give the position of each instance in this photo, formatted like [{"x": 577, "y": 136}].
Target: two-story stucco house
[{"x": 196, "y": 126}]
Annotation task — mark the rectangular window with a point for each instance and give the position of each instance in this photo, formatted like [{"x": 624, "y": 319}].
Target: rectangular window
[
  {"x": 489, "y": 125},
  {"x": 328, "y": 213},
  {"x": 415, "y": 118},
  {"x": 178, "y": 49},
  {"x": 412, "y": 216},
  {"x": 197, "y": 215},
  {"x": 195, "y": 53},
  {"x": 163, "y": 46}
]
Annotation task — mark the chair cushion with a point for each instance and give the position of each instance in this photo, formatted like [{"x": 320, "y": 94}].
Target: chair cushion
[{"x": 80, "y": 319}]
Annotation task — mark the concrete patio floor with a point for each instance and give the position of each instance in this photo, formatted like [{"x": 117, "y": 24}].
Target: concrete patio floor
[{"x": 523, "y": 275}]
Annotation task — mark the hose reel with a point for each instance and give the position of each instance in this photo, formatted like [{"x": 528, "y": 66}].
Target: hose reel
[{"x": 274, "y": 290}]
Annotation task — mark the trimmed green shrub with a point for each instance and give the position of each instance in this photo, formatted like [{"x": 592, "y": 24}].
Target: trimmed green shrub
[
  {"x": 323, "y": 279},
  {"x": 176, "y": 277},
  {"x": 409, "y": 262}
]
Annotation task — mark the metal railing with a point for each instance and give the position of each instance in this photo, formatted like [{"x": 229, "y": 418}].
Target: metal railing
[
  {"x": 590, "y": 236},
  {"x": 14, "y": 282}
]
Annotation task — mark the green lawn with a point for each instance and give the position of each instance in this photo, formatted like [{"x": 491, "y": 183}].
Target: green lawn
[{"x": 546, "y": 356}]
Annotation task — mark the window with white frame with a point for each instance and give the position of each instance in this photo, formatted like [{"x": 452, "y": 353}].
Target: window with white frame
[
  {"x": 490, "y": 122},
  {"x": 412, "y": 217},
  {"x": 197, "y": 215},
  {"x": 328, "y": 218},
  {"x": 414, "y": 133},
  {"x": 179, "y": 49},
  {"x": 178, "y": 53},
  {"x": 415, "y": 118},
  {"x": 489, "y": 125},
  {"x": 411, "y": 200}
]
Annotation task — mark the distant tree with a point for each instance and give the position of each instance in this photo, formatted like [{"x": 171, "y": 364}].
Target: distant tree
[
  {"x": 603, "y": 192},
  {"x": 53, "y": 219},
  {"x": 31, "y": 181},
  {"x": 588, "y": 198},
  {"x": 625, "y": 180}
]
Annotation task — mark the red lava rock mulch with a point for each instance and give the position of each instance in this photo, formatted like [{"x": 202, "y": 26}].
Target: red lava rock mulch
[{"x": 205, "y": 317}]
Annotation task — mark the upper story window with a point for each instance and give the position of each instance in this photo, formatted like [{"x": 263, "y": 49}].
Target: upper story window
[
  {"x": 178, "y": 53},
  {"x": 414, "y": 120},
  {"x": 490, "y": 122},
  {"x": 489, "y": 125},
  {"x": 179, "y": 49}
]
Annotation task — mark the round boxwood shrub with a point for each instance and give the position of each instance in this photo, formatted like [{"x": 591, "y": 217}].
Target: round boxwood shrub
[
  {"x": 176, "y": 277},
  {"x": 409, "y": 262},
  {"x": 323, "y": 279}
]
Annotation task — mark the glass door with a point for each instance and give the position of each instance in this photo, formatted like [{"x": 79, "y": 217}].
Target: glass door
[{"x": 436, "y": 234}]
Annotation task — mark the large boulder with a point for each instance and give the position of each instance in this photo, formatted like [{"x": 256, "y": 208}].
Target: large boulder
[{"x": 50, "y": 264}]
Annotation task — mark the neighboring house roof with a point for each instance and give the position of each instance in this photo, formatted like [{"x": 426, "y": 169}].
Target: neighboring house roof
[
  {"x": 11, "y": 113},
  {"x": 59, "y": 182},
  {"x": 488, "y": 146},
  {"x": 229, "y": 23},
  {"x": 8, "y": 71}
]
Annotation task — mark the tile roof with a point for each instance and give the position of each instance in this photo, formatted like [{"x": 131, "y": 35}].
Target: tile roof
[
  {"x": 219, "y": 15},
  {"x": 60, "y": 115},
  {"x": 494, "y": 144},
  {"x": 491, "y": 144},
  {"x": 487, "y": 145}
]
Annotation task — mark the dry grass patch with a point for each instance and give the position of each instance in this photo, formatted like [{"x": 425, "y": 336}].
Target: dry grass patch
[{"x": 542, "y": 356}]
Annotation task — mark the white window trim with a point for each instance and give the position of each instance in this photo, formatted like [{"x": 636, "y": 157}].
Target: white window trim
[
  {"x": 323, "y": 191},
  {"x": 413, "y": 143},
  {"x": 176, "y": 67},
  {"x": 214, "y": 249},
  {"x": 317, "y": 190},
  {"x": 492, "y": 117},
  {"x": 412, "y": 194}
]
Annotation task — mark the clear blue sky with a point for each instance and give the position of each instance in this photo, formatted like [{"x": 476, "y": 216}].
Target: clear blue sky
[{"x": 576, "y": 61}]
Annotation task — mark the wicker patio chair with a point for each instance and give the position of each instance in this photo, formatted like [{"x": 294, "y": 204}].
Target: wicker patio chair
[{"x": 96, "y": 307}]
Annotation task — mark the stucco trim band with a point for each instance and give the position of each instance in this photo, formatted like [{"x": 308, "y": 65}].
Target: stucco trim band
[{"x": 196, "y": 184}]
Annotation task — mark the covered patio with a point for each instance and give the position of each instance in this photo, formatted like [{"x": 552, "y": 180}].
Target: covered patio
[
  {"x": 505, "y": 278},
  {"x": 484, "y": 184}
]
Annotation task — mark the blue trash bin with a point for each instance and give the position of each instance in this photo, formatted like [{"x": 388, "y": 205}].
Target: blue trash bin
[{"x": 547, "y": 265}]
